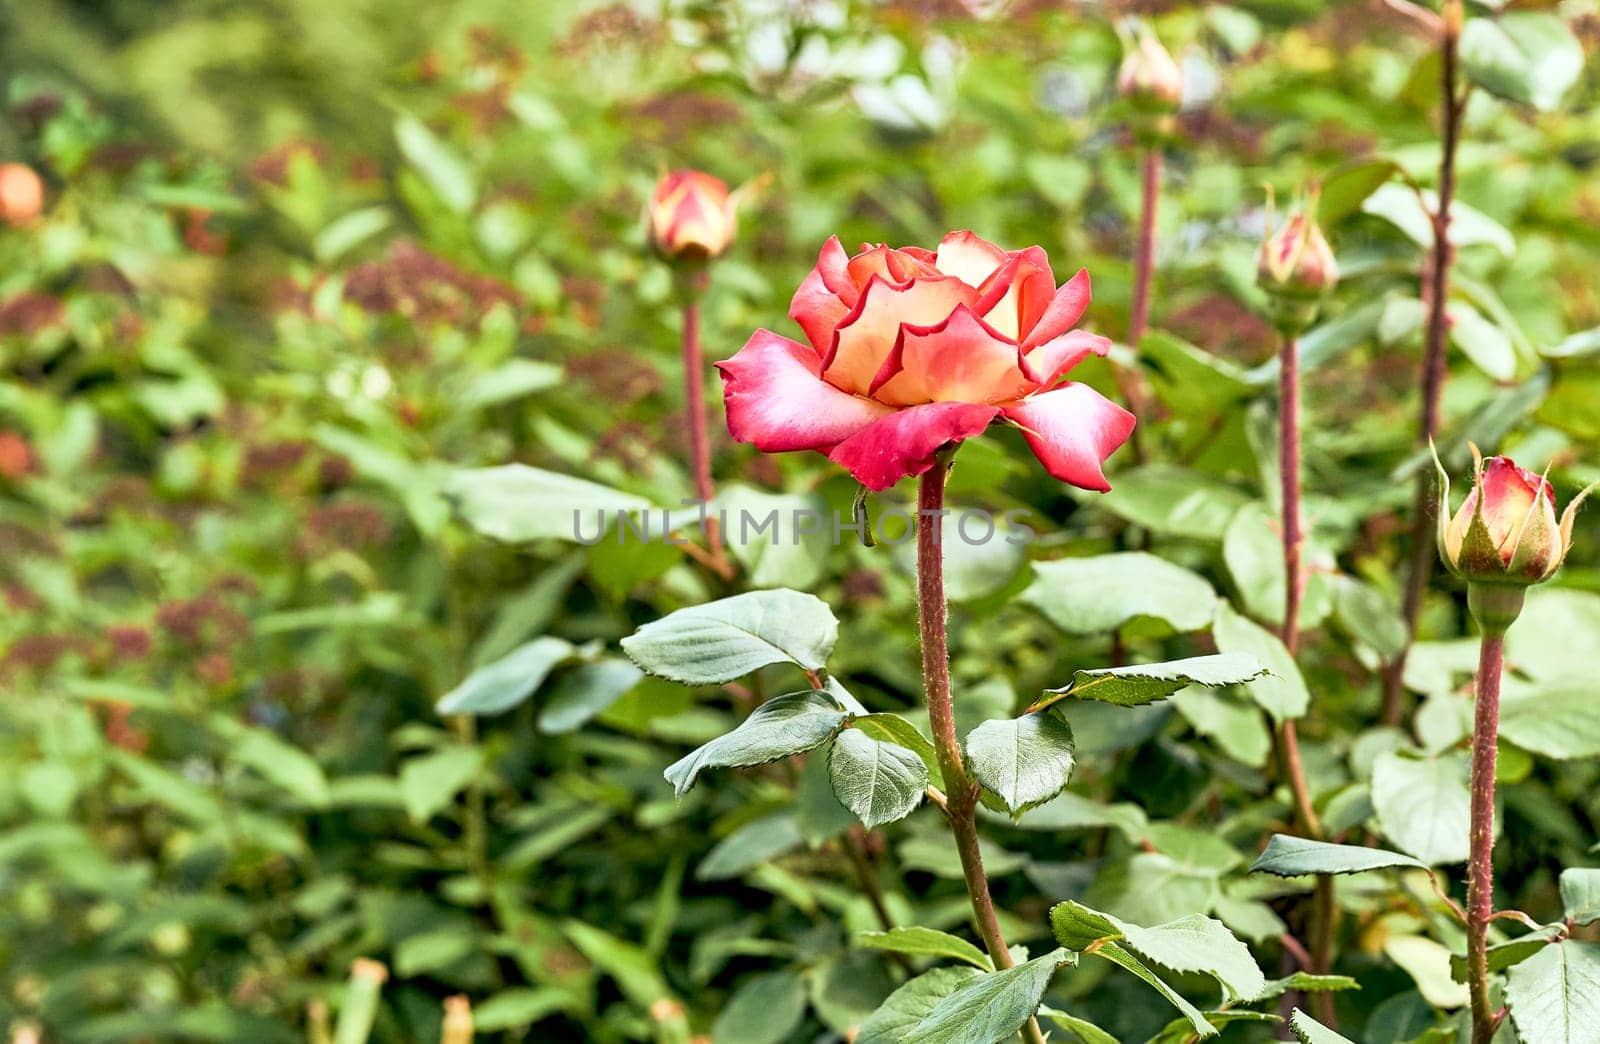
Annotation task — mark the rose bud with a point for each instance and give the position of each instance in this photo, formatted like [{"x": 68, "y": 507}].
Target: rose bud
[
  {"x": 1148, "y": 76},
  {"x": 1295, "y": 266},
  {"x": 21, "y": 194},
  {"x": 1505, "y": 536},
  {"x": 692, "y": 216}
]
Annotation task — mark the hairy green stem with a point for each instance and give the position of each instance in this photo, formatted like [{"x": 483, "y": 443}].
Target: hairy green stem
[{"x": 962, "y": 802}]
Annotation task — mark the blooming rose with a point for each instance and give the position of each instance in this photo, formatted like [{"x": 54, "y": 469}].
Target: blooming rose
[
  {"x": 1506, "y": 531},
  {"x": 912, "y": 350},
  {"x": 691, "y": 215}
]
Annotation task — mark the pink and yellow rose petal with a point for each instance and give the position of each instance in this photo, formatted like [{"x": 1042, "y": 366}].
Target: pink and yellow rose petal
[{"x": 912, "y": 350}]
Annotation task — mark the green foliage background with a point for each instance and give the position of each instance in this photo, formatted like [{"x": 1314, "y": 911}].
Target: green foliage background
[{"x": 303, "y": 261}]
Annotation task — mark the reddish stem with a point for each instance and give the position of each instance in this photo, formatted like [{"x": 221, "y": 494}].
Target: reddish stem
[
  {"x": 1436, "y": 291},
  {"x": 1145, "y": 257},
  {"x": 1323, "y": 912},
  {"x": 962, "y": 802},
  {"x": 1480, "y": 867},
  {"x": 1289, "y": 486},
  {"x": 699, "y": 441}
]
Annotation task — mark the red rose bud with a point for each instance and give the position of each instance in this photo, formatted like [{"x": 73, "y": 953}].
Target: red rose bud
[
  {"x": 692, "y": 216},
  {"x": 21, "y": 194},
  {"x": 1148, "y": 76},
  {"x": 1505, "y": 535},
  {"x": 1296, "y": 260}
]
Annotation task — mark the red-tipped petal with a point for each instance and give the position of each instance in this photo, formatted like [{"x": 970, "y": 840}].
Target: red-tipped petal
[
  {"x": 888, "y": 264},
  {"x": 866, "y": 337},
  {"x": 825, "y": 297},
  {"x": 1016, "y": 296},
  {"x": 1048, "y": 363},
  {"x": 969, "y": 258},
  {"x": 777, "y": 402},
  {"x": 905, "y": 442},
  {"x": 1072, "y": 430},
  {"x": 960, "y": 360},
  {"x": 1063, "y": 312}
]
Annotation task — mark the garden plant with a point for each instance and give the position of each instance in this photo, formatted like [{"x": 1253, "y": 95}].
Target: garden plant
[{"x": 778, "y": 521}]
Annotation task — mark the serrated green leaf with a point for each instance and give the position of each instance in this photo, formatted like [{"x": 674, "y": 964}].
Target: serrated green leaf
[
  {"x": 516, "y": 504},
  {"x": 1525, "y": 56},
  {"x": 1289, "y": 856},
  {"x": 892, "y": 728},
  {"x": 990, "y": 1007},
  {"x": 1410, "y": 211},
  {"x": 497, "y": 687},
  {"x": 1189, "y": 944},
  {"x": 729, "y": 638},
  {"x": 1123, "y": 959},
  {"x": 1504, "y": 955},
  {"x": 750, "y": 846},
  {"x": 1423, "y": 805},
  {"x": 1280, "y": 690},
  {"x": 924, "y": 942},
  {"x": 900, "y": 1013},
  {"x": 585, "y": 692},
  {"x": 1305, "y": 982},
  {"x": 1147, "y": 682},
  {"x": 1554, "y": 996},
  {"x": 765, "y": 1009},
  {"x": 1098, "y": 595},
  {"x": 429, "y": 783},
  {"x": 1580, "y": 894},
  {"x": 790, "y": 724},
  {"x": 880, "y": 782},
  {"x": 1022, "y": 761},
  {"x": 1308, "y": 1030}
]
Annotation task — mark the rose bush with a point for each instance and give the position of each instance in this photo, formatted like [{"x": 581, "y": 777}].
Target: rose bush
[{"x": 911, "y": 350}]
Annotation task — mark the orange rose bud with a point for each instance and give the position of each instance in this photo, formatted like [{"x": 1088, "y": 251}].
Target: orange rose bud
[
  {"x": 1505, "y": 536},
  {"x": 21, "y": 194},
  {"x": 692, "y": 216},
  {"x": 1148, "y": 76}
]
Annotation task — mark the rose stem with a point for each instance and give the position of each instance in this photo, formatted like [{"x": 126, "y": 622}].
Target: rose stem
[
  {"x": 962, "y": 801},
  {"x": 1480, "y": 869},
  {"x": 1143, "y": 268},
  {"x": 1323, "y": 912},
  {"x": 699, "y": 443},
  {"x": 1436, "y": 289}
]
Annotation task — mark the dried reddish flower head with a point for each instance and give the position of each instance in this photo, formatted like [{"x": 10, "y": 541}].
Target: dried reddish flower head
[
  {"x": 912, "y": 350},
  {"x": 692, "y": 216},
  {"x": 1506, "y": 531},
  {"x": 21, "y": 194}
]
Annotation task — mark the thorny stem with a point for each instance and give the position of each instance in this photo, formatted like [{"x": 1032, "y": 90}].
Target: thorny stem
[
  {"x": 1436, "y": 290},
  {"x": 1480, "y": 868},
  {"x": 1324, "y": 914},
  {"x": 962, "y": 792},
  {"x": 699, "y": 441}
]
